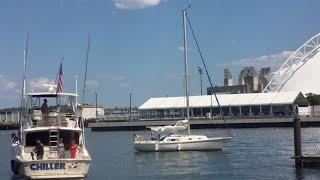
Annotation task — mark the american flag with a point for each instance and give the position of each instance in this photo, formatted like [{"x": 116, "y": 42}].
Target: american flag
[{"x": 60, "y": 80}]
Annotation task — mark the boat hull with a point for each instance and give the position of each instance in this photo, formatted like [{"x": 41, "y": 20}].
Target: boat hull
[
  {"x": 211, "y": 144},
  {"x": 57, "y": 168}
]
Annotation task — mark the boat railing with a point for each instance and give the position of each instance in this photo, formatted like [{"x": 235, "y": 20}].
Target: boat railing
[
  {"x": 48, "y": 154},
  {"x": 54, "y": 119}
]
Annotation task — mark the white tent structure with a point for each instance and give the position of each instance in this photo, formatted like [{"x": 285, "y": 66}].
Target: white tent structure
[
  {"x": 273, "y": 103},
  {"x": 300, "y": 71}
]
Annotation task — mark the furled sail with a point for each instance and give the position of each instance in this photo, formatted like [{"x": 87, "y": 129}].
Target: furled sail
[{"x": 179, "y": 126}]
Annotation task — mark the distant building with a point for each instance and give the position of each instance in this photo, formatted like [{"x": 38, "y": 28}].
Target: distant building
[
  {"x": 262, "y": 80},
  {"x": 228, "y": 87},
  {"x": 248, "y": 82},
  {"x": 236, "y": 89},
  {"x": 122, "y": 113},
  {"x": 248, "y": 76},
  {"x": 227, "y": 78},
  {"x": 90, "y": 112}
]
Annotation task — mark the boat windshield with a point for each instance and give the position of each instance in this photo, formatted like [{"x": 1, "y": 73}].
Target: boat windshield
[
  {"x": 48, "y": 109},
  {"x": 162, "y": 138},
  {"x": 59, "y": 104}
]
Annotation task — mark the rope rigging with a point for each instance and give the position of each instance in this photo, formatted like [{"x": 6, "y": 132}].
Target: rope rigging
[{"x": 208, "y": 76}]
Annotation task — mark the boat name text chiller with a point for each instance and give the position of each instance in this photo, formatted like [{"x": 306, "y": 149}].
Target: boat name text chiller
[{"x": 47, "y": 166}]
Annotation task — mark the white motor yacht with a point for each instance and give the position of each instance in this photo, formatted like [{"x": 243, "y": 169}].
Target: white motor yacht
[{"x": 60, "y": 124}]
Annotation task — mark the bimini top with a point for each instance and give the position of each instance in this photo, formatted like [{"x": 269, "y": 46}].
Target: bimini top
[
  {"x": 50, "y": 94},
  {"x": 33, "y": 129},
  {"x": 249, "y": 99}
]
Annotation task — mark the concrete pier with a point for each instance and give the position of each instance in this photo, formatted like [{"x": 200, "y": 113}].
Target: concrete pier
[
  {"x": 8, "y": 126},
  {"x": 9, "y": 120},
  {"x": 203, "y": 123}
]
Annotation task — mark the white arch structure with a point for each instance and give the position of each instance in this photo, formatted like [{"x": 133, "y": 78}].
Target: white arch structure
[{"x": 291, "y": 66}]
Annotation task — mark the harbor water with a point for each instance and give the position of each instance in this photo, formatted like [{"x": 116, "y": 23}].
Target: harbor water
[{"x": 262, "y": 153}]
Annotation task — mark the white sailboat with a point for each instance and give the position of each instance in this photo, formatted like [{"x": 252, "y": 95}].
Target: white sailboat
[
  {"x": 176, "y": 141},
  {"x": 57, "y": 130}
]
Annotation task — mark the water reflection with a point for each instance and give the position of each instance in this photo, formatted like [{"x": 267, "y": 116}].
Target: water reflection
[
  {"x": 252, "y": 154},
  {"x": 307, "y": 173},
  {"x": 177, "y": 163},
  {"x": 22, "y": 178}
]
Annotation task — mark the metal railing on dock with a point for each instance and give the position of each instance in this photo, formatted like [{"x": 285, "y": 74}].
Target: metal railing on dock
[{"x": 9, "y": 117}]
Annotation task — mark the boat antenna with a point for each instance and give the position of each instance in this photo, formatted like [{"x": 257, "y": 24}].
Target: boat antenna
[
  {"x": 23, "y": 90},
  {"x": 186, "y": 68},
  {"x": 205, "y": 67},
  {"x": 76, "y": 107},
  {"x": 86, "y": 70}
]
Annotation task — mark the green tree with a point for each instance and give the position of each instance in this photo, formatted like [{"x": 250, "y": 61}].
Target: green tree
[{"x": 314, "y": 99}]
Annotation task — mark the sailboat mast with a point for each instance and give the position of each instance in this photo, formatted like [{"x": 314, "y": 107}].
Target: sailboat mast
[
  {"x": 186, "y": 68},
  {"x": 25, "y": 55},
  {"x": 23, "y": 92},
  {"x": 85, "y": 73}
]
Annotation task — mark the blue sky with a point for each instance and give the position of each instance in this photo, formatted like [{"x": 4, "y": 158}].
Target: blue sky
[{"x": 136, "y": 44}]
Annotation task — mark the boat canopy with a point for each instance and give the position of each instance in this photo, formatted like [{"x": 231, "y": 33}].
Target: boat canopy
[
  {"x": 179, "y": 126},
  {"x": 49, "y": 94}
]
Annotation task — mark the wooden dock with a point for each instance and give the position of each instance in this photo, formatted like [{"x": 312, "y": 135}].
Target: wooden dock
[
  {"x": 310, "y": 161},
  {"x": 302, "y": 161}
]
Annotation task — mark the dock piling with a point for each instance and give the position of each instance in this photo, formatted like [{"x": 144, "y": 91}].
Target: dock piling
[{"x": 297, "y": 142}]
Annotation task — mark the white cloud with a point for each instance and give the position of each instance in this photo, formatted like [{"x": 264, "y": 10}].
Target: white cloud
[
  {"x": 136, "y": 4},
  {"x": 40, "y": 83},
  {"x": 7, "y": 85},
  {"x": 274, "y": 60},
  {"x": 124, "y": 85},
  {"x": 181, "y": 48},
  {"x": 92, "y": 83},
  {"x": 116, "y": 77},
  {"x": 174, "y": 76}
]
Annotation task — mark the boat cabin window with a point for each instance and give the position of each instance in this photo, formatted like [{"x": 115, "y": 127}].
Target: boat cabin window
[
  {"x": 31, "y": 138},
  {"x": 44, "y": 136}
]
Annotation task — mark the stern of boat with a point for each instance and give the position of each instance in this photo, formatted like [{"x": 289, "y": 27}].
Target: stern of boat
[{"x": 59, "y": 168}]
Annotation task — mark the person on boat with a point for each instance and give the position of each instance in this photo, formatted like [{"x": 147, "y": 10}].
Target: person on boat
[
  {"x": 73, "y": 149},
  {"x": 44, "y": 107},
  {"x": 45, "y": 111},
  {"x": 61, "y": 148},
  {"x": 39, "y": 149},
  {"x": 15, "y": 139},
  {"x": 137, "y": 137},
  {"x": 153, "y": 136}
]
